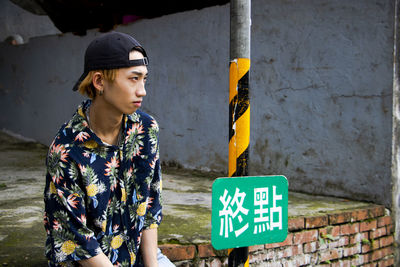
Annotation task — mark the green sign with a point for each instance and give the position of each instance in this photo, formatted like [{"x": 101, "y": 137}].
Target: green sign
[{"x": 249, "y": 211}]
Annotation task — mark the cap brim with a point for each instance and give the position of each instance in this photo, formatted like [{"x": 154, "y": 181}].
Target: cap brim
[{"x": 76, "y": 86}]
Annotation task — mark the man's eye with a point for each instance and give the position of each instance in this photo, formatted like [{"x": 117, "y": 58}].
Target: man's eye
[{"x": 134, "y": 78}]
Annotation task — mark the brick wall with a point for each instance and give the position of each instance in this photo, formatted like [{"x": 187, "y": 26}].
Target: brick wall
[{"x": 362, "y": 237}]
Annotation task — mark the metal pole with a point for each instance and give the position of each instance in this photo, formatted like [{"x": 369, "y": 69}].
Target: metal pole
[
  {"x": 396, "y": 134},
  {"x": 239, "y": 104}
]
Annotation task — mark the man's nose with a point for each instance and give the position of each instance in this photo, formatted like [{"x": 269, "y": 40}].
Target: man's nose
[{"x": 141, "y": 90}]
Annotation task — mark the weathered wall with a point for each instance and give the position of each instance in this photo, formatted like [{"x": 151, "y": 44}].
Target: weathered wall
[
  {"x": 15, "y": 20},
  {"x": 321, "y": 85},
  {"x": 323, "y": 70}
]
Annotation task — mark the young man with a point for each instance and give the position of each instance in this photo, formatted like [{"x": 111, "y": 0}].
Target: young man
[{"x": 103, "y": 182}]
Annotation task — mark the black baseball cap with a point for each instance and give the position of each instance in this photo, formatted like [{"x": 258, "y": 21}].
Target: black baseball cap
[{"x": 111, "y": 51}]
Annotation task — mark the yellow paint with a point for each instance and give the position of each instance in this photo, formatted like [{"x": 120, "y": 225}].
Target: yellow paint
[
  {"x": 237, "y": 69},
  {"x": 243, "y": 66},
  {"x": 240, "y": 141},
  {"x": 246, "y": 264},
  {"x": 233, "y": 80}
]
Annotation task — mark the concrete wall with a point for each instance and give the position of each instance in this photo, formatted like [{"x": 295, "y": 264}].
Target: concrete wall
[
  {"x": 321, "y": 85},
  {"x": 15, "y": 20}
]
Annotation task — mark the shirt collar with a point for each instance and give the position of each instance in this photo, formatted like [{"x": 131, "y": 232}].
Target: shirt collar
[{"x": 83, "y": 135}]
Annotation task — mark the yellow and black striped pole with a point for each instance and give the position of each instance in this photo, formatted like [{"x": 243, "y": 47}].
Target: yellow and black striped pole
[
  {"x": 239, "y": 135},
  {"x": 239, "y": 104},
  {"x": 239, "y": 117}
]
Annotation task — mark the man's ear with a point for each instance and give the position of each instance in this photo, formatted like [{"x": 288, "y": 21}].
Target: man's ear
[{"x": 98, "y": 81}]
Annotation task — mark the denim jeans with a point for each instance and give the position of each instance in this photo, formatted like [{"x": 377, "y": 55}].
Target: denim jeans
[{"x": 163, "y": 261}]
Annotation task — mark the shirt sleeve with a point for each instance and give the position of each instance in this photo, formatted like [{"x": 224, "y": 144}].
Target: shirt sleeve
[
  {"x": 154, "y": 212},
  {"x": 68, "y": 236}
]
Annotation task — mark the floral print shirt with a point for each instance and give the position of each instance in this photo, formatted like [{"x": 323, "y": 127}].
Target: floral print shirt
[{"x": 100, "y": 197}]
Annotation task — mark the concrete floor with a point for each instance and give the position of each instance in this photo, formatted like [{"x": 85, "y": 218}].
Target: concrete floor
[{"x": 186, "y": 195}]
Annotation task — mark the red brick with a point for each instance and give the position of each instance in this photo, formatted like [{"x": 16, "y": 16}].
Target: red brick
[
  {"x": 376, "y": 211},
  {"x": 358, "y": 237},
  {"x": 292, "y": 251},
  {"x": 360, "y": 260},
  {"x": 205, "y": 251},
  {"x": 310, "y": 247},
  {"x": 296, "y": 223},
  {"x": 360, "y": 215},
  {"x": 202, "y": 263},
  {"x": 322, "y": 245},
  {"x": 342, "y": 217},
  {"x": 330, "y": 255},
  {"x": 365, "y": 248},
  {"x": 183, "y": 264},
  {"x": 386, "y": 241},
  {"x": 368, "y": 225},
  {"x": 288, "y": 241},
  {"x": 389, "y": 229},
  {"x": 385, "y": 220},
  {"x": 178, "y": 252},
  {"x": 350, "y": 228},
  {"x": 349, "y": 251},
  {"x": 372, "y": 245},
  {"x": 263, "y": 255},
  {"x": 386, "y": 262},
  {"x": 330, "y": 230},
  {"x": 215, "y": 263},
  {"x": 255, "y": 258},
  {"x": 377, "y": 233},
  {"x": 274, "y": 264},
  {"x": 340, "y": 242},
  {"x": 380, "y": 253},
  {"x": 316, "y": 221},
  {"x": 256, "y": 248},
  {"x": 305, "y": 236},
  {"x": 299, "y": 260},
  {"x": 342, "y": 263}
]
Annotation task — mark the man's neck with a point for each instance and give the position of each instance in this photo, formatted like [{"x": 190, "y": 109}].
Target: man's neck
[{"x": 105, "y": 121}]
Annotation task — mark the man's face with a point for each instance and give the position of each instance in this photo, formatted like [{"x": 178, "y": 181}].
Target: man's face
[{"x": 126, "y": 92}]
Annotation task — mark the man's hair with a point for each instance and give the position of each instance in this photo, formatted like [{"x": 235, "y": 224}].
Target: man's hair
[{"x": 86, "y": 86}]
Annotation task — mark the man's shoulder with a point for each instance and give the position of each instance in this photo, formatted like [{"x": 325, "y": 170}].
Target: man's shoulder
[
  {"x": 63, "y": 136},
  {"x": 143, "y": 118}
]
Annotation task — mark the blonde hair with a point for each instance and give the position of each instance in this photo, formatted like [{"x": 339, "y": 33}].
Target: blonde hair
[{"x": 86, "y": 87}]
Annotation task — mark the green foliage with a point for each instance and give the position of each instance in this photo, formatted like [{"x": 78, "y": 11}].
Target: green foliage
[
  {"x": 365, "y": 241},
  {"x": 328, "y": 237}
]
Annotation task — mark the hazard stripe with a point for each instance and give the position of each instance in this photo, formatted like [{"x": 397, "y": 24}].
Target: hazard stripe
[
  {"x": 239, "y": 117},
  {"x": 242, "y": 168},
  {"x": 238, "y": 257},
  {"x": 239, "y": 136},
  {"x": 243, "y": 96}
]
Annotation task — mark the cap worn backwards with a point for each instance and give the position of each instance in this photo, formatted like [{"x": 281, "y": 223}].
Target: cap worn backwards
[{"x": 110, "y": 51}]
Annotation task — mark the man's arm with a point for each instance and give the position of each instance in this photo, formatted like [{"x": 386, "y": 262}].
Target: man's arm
[
  {"x": 100, "y": 260},
  {"x": 148, "y": 247}
]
